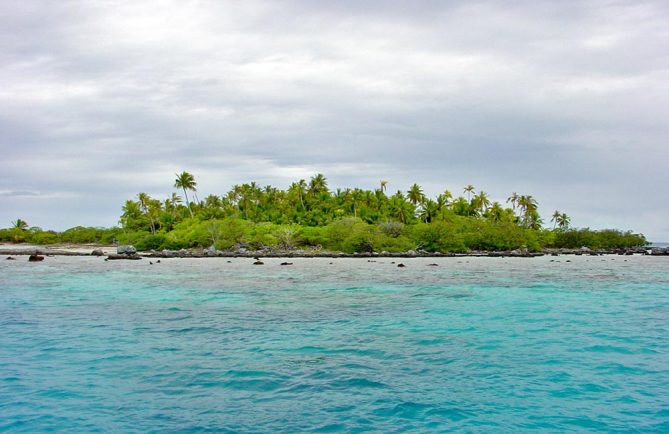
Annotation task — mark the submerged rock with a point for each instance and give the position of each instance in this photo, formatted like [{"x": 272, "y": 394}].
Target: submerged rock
[
  {"x": 258, "y": 263},
  {"x": 400, "y": 265},
  {"x": 35, "y": 258},
  {"x": 286, "y": 263},
  {"x": 10, "y": 258}
]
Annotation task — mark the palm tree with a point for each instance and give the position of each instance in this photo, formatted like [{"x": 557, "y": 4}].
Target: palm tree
[
  {"x": 530, "y": 216},
  {"x": 513, "y": 200},
  {"x": 495, "y": 212},
  {"x": 415, "y": 194},
  {"x": 429, "y": 210},
  {"x": 447, "y": 195},
  {"x": 442, "y": 201},
  {"x": 171, "y": 204},
  {"x": 561, "y": 220},
  {"x": 356, "y": 198},
  {"x": 186, "y": 181},
  {"x": 556, "y": 218},
  {"x": 384, "y": 185},
  {"x": 132, "y": 215},
  {"x": 461, "y": 207},
  {"x": 400, "y": 208},
  {"x": 318, "y": 184},
  {"x": 148, "y": 208},
  {"x": 469, "y": 189},
  {"x": 20, "y": 224},
  {"x": 481, "y": 202},
  {"x": 299, "y": 189}
]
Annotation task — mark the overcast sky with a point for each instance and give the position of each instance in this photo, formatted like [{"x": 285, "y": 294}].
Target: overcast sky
[{"x": 565, "y": 100}]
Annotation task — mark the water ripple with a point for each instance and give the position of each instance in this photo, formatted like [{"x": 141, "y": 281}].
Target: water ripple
[{"x": 475, "y": 345}]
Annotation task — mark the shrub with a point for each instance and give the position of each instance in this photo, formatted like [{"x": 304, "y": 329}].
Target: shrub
[
  {"x": 151, "y": 242},
  {"x": 48, "y": 237},
  {"x": 437, "y": 237},
  {"x": 391, "y": 228}
]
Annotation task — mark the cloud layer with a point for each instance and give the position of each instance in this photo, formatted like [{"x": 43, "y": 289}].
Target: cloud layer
[{"x": 562, "y": 100}]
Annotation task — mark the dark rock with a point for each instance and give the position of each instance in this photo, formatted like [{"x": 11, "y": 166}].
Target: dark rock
[
  {"x": 258, "y": 263},
  {"x": 35, "y": 258},
  {"x": 9, "y": 258},
  {"x": 97, "y": 252},
  {"x": 432, "y": 265},
  {"x": 158, "y": 261},
  {"x": 286, "y": 263},
  {"x": 126, "y": 250},
  {"x": 124, "y": 256},
  {"x": 400, "y": 265}
]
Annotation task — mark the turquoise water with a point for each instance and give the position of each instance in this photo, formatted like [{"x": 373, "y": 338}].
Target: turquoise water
[{"x": 473, "y": 345}]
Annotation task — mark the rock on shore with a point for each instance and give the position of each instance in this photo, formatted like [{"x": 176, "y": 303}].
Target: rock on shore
[
  {"x": 126, "y": 250},
  {"x": 131, "y": 257}
]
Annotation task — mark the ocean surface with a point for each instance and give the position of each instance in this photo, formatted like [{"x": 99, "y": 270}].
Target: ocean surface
[{"x": 550, "y": 344}]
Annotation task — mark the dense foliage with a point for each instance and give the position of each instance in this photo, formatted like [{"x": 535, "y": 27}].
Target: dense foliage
[
  {"x": 76, "y": 235},
  {"x": 309, "y": 215}
]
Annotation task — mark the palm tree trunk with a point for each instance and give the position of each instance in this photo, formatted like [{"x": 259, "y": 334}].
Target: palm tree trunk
[{"x": 187, "y": 203}]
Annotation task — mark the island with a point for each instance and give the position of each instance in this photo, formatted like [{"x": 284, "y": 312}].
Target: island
[{"x": 308, "y": 219}]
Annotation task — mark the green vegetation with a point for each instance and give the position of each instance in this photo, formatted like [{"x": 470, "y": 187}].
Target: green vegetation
[
  {"x": 76, "y": 235},
  {"x": 308, "y": 215}
]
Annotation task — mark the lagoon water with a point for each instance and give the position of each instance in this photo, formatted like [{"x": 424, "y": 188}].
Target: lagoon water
[{"x": 551, "y": 344}]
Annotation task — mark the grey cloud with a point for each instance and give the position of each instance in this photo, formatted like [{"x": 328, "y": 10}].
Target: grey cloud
[{"x": 563, "y": 100}]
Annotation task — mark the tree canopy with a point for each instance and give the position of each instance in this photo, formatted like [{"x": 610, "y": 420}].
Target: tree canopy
[{"x": 308, "y": 214}]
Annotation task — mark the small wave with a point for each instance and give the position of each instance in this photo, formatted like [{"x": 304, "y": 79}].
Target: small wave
[
  {"x": 332, "y": 427},
  {"x": 247, "y": 374},
  {"x": 406, "y": 410},
  {"x": 356, "y": 383},
  {"x": 435, "y": 341},
  {"x": 179, "y": 318},
  {"x": 257, "y": 384},
  {"x": 606, "y": 349},
  {"x": 193, "y": 330},
  {"x": 451, "y": 413}
]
